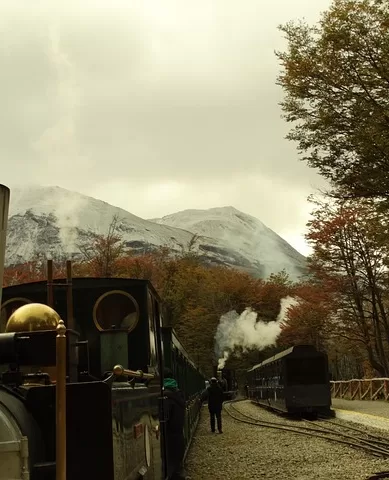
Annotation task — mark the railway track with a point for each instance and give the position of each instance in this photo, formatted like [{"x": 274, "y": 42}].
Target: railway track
[{"x": 371, "y": 444}]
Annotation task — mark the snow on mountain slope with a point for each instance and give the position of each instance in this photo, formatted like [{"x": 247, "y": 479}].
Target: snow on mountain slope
[
  {"x": 52, "y": 222},
  {"x": 242, "y": 232}
]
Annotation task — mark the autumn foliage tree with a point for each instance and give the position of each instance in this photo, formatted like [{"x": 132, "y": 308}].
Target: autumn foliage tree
[
  {"x": 351, "y": 259},
  {"x": 27, "y": 272},
  {"x": 307, "y": 320},
  {"x": 335, "y": 76},
  {"x": 102, "y": 253},
  {"x": 33, "y": 271}
]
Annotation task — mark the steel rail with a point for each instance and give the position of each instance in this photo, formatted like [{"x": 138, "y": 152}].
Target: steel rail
[
  {"x": 376, "y": 438},
  {"x": 320, "y": 428},
  {"x": 374, "y": 450}
]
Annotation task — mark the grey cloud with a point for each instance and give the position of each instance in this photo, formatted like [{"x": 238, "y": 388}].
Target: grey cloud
[{"x": 146, "y": 91}]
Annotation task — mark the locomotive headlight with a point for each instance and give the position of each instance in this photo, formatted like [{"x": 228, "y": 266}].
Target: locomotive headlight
[
  {"x": 32, "y": 317},
  {"x": 30, "y": 337}
]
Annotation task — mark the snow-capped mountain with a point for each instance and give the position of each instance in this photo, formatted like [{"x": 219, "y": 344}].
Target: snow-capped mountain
[
  {"x": 246, "y": 234},
  {"x": 53, "y": 222}
]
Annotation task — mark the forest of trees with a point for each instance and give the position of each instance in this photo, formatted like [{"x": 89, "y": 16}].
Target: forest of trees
[
  {"x": 335, "y": 77},
  {"x": 194, "y": 295},
  {"x": 341, "y": 304}
]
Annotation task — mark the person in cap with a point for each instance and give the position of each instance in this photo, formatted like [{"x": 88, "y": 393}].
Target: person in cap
[
  {"x": 214, "y": 394},
  {"x": 175, "y": 414}
]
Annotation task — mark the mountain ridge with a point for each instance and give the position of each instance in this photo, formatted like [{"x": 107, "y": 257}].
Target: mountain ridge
[
  {"x": 51, "y": 222},
  {"x": 247, "y": 234}
]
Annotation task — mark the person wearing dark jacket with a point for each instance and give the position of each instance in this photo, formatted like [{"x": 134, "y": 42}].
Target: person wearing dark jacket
[
  {"x": 175, "y": 414},
  {"x": 214, "y": 394}
]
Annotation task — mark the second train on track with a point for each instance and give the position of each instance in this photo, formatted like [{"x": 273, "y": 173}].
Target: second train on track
[{"x": 295, "y": 381}]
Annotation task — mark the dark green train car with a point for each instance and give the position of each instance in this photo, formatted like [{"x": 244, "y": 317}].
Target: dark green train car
[{"x": 190, "y": 378}]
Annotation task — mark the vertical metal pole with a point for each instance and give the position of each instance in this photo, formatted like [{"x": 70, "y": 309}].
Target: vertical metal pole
[
  {"x": 50, "y": 295},
  {"x": 61, "y": 402},
  {"x": 69, "y": 294},
  {"x": 4, "y": 208},
  {"x": 161, "y": 363}
]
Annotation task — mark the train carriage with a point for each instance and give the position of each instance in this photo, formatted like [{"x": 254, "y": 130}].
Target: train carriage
[
  {"x": 189, "y": 377},
  {"x": 295, "y": 381}
]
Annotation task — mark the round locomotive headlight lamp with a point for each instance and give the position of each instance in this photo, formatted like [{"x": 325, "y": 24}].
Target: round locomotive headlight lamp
[
  {"x": 32, "y": 317},
  {"x": 9, "y": 307}
]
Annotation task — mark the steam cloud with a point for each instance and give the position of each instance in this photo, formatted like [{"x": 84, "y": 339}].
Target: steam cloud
[
  {"x": 67, "y": 213},
  {"x": 245, "y": 331},
  {"x": 59, "y": 144}
]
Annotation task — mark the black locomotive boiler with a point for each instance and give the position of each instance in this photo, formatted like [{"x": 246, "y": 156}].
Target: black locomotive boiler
[
  {"x": 114, "y": 416},
  {"x": 295, "y": 381}
]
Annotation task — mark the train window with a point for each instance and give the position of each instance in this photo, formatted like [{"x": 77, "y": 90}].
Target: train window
[
  {"x": 8, "y": 308},
  {"x": 151, "y": 313},
  {"x": 116, "y": 310},
  {"x": 306, "y": 371}
]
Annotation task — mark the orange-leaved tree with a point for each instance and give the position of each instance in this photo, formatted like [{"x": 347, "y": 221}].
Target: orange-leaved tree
[
  {"x": 101, "y": 253},
  {"x": 307, "y": 321},
  {"x": 350, "y": 253}
]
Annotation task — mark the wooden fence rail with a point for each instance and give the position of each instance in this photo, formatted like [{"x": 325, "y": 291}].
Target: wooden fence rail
[{"x": 366, "y": 389}]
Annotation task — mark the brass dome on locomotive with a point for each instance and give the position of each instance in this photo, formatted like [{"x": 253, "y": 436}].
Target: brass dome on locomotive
[{"x": 32, "y": 317}]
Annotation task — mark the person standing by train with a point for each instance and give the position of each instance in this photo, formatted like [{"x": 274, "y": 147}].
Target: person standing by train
[
  {"x": 175, "y": 414},
  {"x": 214, "y": 395}
]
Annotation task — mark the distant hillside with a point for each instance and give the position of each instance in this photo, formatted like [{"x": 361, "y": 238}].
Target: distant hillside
[{"x": 52, "y": 222}]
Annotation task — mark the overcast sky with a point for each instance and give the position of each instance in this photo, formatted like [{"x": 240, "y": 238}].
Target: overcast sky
[{"x": 154, "y": 105}]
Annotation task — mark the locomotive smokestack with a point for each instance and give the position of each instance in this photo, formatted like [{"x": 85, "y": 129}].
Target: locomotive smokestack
[{"x": 4, "y": 208}]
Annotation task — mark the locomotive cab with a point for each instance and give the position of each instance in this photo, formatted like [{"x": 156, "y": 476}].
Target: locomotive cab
[{"x": 110, "y": 410}]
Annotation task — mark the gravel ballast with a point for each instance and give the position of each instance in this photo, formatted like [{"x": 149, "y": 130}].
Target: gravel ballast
[{"x": 250, "y": 452}]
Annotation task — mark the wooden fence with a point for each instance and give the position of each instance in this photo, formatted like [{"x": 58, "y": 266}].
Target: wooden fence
[{"x": 366, "y": 389}]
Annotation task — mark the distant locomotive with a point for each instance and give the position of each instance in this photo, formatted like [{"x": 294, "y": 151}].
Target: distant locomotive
[
  {"x": 115, "y": 352},
  {"x": 295, "y": 381},
  {"x": 227, "y": 380}
]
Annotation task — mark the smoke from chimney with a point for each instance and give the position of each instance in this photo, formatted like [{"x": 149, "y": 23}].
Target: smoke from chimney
[{"x": 246, "y": 332}]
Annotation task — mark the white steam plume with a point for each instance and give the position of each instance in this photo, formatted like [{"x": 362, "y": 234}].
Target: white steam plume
[
  {"x": 58, "y": 145},
  {"x": 68, "y": 209},
  {"x": 246, "y": 332}
]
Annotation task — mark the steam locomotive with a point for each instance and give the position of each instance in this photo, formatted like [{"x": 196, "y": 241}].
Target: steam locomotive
[
  {"x": 103, "y": 417},
  {"x": 295, "y": 381},
  {"x": 227, "y": 380}
]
